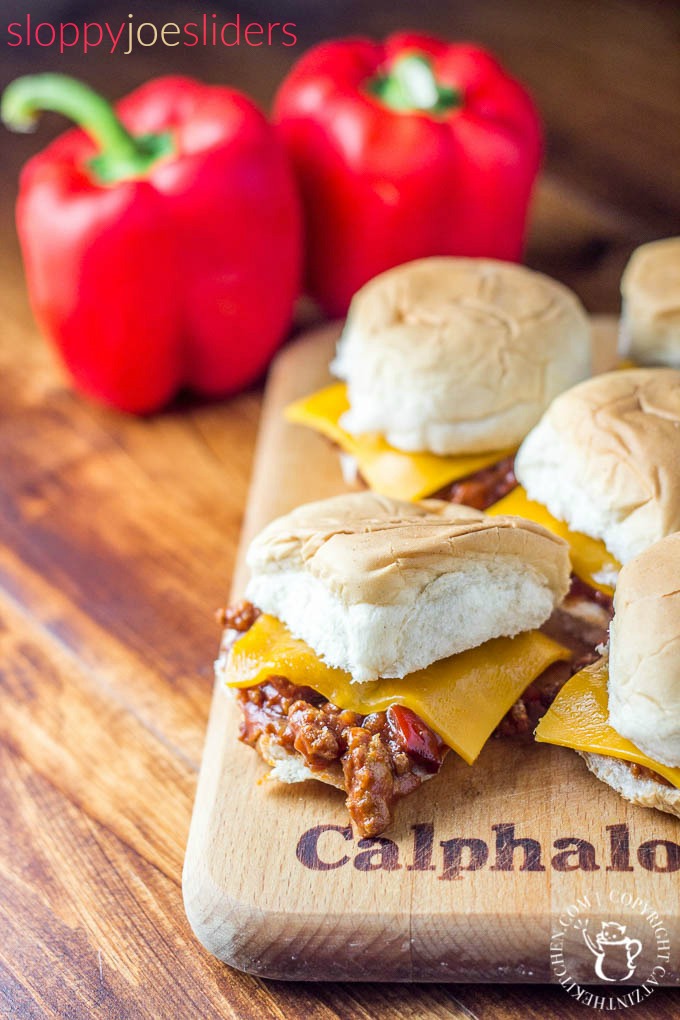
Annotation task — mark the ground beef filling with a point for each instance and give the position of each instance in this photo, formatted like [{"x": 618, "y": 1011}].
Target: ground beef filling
[
  {"x": 579, "y": 589},
  {"x": 482, "y": 489},
  {"x": 240, "y": 617},
  {"x": 642, "y": 772},
  {"x": 383, "y": 756}
]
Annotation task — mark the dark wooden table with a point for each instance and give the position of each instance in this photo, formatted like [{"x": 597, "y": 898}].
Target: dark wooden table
[{"x": 117, "y": 538}]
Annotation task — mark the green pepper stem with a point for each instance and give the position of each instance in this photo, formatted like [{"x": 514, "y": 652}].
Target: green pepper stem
[
  {"x": 120, "y": 155},
  {"x": 411, "y": 85}
]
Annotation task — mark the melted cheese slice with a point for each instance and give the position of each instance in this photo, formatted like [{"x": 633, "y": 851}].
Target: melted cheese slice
[
  {"x": 579, "y": 718},
  {"x": 462, "y": 698},
  {"x": 387, "y": 471},
  {"x": 589, "y": 557}
]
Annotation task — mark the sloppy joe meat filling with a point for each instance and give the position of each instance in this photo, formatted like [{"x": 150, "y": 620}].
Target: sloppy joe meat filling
[
  {"x": 378, "y": 755},
  {"x": 483, "y": 488}
]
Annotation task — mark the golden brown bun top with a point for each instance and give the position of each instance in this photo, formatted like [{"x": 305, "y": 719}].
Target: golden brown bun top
[
  {"x": 626, "y": 427},
  {"x": 654, "y": 574},
  {"x": 367, "y": 548},
  {"x": 459, "y": 355},
  {"x": 652, "y": 277},
  {"x": 644, "y": 659}
]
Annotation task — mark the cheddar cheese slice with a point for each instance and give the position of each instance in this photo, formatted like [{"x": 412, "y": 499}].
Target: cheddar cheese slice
[
  {"x": 387, "y": 471},
  {"x": 462, "y": 698},
  {"x": 589, "y": 557},
  {"x": 579, "y": 718}
]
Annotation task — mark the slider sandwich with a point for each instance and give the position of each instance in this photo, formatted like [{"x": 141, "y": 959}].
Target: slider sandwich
[
  {"x": 602, "y": 469},
  {"x": 622, "y": 714},
  {"x": 650, "y": 314},
  {"x": 445, "y": 365},
  {"x": 379, "y": 634}
]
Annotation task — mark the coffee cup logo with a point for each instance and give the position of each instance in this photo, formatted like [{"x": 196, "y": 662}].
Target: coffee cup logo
[{"x": 615, "y": 952}]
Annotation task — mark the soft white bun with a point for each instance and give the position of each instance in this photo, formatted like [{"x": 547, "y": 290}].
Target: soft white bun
[
  {"x": 380, "y": 587},
  {"x": 605, "y": 458},
  {"x": 644, "y": 652},
  {"x": 650, "y": 288},
  {"x": 459, "y": 355},
  {"x": 645, "y": 792}
]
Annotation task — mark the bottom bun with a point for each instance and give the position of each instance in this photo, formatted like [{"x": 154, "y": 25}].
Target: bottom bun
[
  {"x": 289, "y": 766},
  {"x": 645, "y": 792}
]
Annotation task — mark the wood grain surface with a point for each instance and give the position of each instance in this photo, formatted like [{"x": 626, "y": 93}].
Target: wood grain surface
[{"x": 118, "y": 539}]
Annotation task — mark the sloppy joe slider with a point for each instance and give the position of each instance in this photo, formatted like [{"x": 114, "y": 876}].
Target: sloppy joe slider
[
  {"x": 379, "y": 634},
  {"x": 445, "y": 365}
]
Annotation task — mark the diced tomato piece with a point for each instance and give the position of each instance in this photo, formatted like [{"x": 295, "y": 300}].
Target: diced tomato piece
[{"x": 415, "y": 737}]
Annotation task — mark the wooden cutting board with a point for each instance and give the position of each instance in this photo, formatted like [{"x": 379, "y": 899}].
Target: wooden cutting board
[{"x": 483, "y": 866}]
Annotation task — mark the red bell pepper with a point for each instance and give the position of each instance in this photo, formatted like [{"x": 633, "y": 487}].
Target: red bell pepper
[
  {"x": 162, "y": 245},
  {"x": 405, "y": 149}
]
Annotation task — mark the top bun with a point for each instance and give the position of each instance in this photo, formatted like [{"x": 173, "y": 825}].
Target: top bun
[
  {"x": 605, "y": 458},
  {"x": 380, "y": 587},
  {"x": 461, "y": 355},
  {"x": 650, "y": 288},
  {"x": 644, "y": 654}
]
